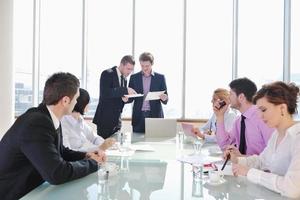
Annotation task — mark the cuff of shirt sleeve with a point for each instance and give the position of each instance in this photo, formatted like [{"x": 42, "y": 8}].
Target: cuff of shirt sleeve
[
  {"x": 254, "y": 175},
  {"x": 242, "y": 161}
]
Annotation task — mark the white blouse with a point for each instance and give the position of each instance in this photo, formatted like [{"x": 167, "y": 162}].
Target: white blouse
[
  {"x": 78, "y": 135},
  {"x": 229, "y": 118},
  {"x": 278, "y": 168}
]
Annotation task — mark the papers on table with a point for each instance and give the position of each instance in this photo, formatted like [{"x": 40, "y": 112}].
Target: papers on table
[
  {"x": 133, "y": 95},
  {"x": 142, "y": 147},
  {"x": 154, "y": 95},
  {"x": 191, "y": 159},
  {"x": 117, "y": 152}
]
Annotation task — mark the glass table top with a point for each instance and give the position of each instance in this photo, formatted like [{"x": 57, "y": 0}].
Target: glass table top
[{"x": 153, "y": 175}]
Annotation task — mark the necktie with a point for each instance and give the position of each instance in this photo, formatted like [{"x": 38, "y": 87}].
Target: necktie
[
  {"x": 122, "y": 81},
  {"x": 58, "y": 132},
  {"x": 243, "y": 146}
]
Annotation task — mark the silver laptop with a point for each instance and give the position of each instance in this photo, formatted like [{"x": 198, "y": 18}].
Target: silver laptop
[{"x": 160, "y": 128}]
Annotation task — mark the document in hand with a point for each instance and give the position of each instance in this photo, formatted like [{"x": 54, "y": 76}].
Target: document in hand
[
  {"x": 187, "y": 129},
  {"x": 154, "y": 95},
  {"x": 133, "y": 95}
]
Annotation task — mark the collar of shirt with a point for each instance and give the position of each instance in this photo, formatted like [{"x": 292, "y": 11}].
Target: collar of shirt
[
  {"x": 152, "y": 73},
  {"x": 54, "y": 118},
  {"x": 73, "y": 120},
  {"x": 293, "y": 130},
  {"x": 250, "y": 112}
]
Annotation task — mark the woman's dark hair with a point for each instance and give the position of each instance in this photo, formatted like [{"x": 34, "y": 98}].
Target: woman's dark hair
[
  {"x": 82, "y": 101},
  {"x": 59, "y": 85},
  {"x": 280, "y": 93}
]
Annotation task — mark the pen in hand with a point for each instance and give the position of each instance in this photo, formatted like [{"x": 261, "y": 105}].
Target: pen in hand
[{"x": 228, "y": 158}]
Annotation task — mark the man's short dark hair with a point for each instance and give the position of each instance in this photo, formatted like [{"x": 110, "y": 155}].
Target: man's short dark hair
[
  {"x": 245, "y": 86},
  {"x": 59, "y": 85},
  {"x": 127, "y": 59},
  {"x": 82, "y": 101},
  {"x": 146, "y": 56}
]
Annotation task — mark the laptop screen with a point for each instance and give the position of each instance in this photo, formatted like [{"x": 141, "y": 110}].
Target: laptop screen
[{"x": 160, "y": 127}]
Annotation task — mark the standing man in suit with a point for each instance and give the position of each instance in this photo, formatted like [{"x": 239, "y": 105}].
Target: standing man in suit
[
  {"x": 143, "y": 82},
  {"x": 113, "y": 87},
  {"x": 31, "y": 151}
]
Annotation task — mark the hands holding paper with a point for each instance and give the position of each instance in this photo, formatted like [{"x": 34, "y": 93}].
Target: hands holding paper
[{"x": 163, "y": 97}]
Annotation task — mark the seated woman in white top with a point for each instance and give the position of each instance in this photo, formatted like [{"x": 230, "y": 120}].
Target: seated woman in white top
[
  {"x": 207, "y": 131},
  {"x": 278, "y": 166},
  {"x": 77, "y": 134}
]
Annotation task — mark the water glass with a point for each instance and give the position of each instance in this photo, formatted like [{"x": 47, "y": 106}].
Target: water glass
[
  {"x": 179, "y": 139},
  {"x": 124, "y": 163},
  {"x": 103, "y": 173},
  {"x": 197, "y": 171},
  {"x": 197, "y": 146},
  {"x": 197, "y": 189},
  {"x": 124, "y": 140}
]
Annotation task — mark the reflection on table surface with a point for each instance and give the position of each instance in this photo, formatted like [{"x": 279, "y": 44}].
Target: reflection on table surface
[{"x": 153, "y": 175}]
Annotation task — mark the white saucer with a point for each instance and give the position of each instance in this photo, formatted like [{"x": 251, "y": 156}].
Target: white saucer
[{"x": 216, "y": 183}]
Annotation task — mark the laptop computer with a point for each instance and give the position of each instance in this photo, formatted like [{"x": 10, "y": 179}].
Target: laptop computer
[{"x": 160, "y": 128}]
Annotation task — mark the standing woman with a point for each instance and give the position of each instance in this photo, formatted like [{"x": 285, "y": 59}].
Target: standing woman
[{"x": 278, "y": 166}]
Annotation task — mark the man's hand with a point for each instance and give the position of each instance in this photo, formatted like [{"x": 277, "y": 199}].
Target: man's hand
[
  {"x": 125, "y": 99},
  {"x": 219, "y": 112},
  {"x": 239, "y": 170},
  {"x": 131, "y": 91},
  {"x": 163, "y": 97},
  {"x": 99, "y": 156},
  {"x": 233, "y": 152}
]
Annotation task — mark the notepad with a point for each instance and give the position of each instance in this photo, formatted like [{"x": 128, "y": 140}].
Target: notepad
[
  {"x": 154, "y": 95},
  {"x": 133, "y": 95}
]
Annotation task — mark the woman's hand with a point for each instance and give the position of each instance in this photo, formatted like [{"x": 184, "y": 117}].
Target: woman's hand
[
  {"x": 239, "y": 170},
  {"x": 107, "y": 143},
  {"x": 197, "y": 132}
]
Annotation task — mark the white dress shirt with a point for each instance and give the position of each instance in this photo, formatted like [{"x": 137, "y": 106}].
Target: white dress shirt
[
  {"x": 78, "y": 135},
  {"x": 278, "y": 167},
  {"x": 229, "y": 117}
]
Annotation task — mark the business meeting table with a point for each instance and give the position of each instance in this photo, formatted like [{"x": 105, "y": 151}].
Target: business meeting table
[{"x": 154, "y": 172}]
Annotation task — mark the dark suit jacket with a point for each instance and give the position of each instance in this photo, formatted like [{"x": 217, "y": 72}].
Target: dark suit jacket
[
  {"x": 158, "y": 83},
  {"x": 31, "y": 152},
  {"x": 110, "y": 104}
]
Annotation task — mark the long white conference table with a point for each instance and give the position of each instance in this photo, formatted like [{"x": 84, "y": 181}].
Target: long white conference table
[{"x": 153, "y": 175}]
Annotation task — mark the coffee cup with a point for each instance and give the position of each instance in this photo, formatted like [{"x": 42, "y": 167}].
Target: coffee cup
[{"x": 215, "y": 176}]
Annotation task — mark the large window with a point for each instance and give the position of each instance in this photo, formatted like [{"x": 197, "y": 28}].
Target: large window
[
  {"x": 109, "y": 38},
  {"x": 159, "y": 30},
  {"x": 209, "y": 53},
  {"x": 22, "y": 54},
  {"x": 60, "y": 38},
  {"x": 193, "y": 46},
  {"x": 295, "y": 45},
  {"x": 260, "y": 40}
]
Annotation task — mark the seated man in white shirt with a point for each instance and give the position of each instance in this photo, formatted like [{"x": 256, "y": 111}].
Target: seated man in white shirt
[
  {"x": 207, "y": 131},
  {"x": 278, "y": 166},
  {"x": 77, "y": 134}
]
